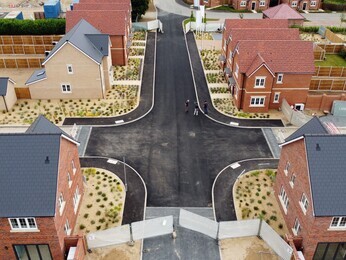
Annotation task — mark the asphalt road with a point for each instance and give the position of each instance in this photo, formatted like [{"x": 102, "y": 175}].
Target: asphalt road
[{"x": 177, "y": 154}]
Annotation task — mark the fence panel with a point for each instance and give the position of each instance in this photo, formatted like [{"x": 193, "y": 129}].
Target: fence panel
[
  {"x": 197, "y": 223},
  {"x": 152, "y": 227},
  {"x": 275, "y": 241},
  {"x": 241, "y": 228},
  {"x": 111, "y": 236}
]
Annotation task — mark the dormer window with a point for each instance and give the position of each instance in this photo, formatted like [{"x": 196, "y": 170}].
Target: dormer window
[
  {"x": 280, "y": 78},
  {"x": 74, "y": 169}
]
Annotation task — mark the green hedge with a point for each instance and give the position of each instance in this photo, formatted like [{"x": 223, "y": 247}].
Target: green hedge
[
  {"x": 314, "y": 29},
  {"x": 32, "y": 27}
]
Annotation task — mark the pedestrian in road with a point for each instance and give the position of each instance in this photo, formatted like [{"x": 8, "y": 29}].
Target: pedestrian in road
[
  {"x": 187, "y": 106},
  {"x": 205, "y": 107},
  {"x": 195, "y": 112}
]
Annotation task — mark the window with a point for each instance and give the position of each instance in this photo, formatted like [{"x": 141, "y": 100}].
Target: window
[
  {"x": 23, "y": 223},
  {"x": 294, "y": 4},
  {"x": 67, "y": 228},
  {"x": 37, "y": 252},
  {"x": 287, "y": 167},
  {"x": 292, "y": 180},
  {"x": 76, "y": 198},
  {"x": 338, "y": 222},
  {"x": 61, "y": 203},
  {"x": 257, "y": 101},
  {"x": 276, "y": 97},
  {"x": 304, "y": 203},
  {"x": 325, "y": 251},
  {"x": 243, "y": 3},
  {"x": 69, "y": 69},
  {"x": 284, "y": 199},
  {"x": 69, "y": 179},
  {"x": 74, "y": 169},
  {"x": 262, "y": 3},
  {"x": 296, "y": 227},
  {"x": 236, "y": 70},
  {"x": 259, "y": 82},
  {"x": 280, "y": 78},
  {"x": 313, "y": 3},
  {"x": 66, "y": 88}
]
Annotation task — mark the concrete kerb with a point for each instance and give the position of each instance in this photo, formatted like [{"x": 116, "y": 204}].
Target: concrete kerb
[
  {"x": 145, "y": 188},
  {"x": 217, "y": 176}
]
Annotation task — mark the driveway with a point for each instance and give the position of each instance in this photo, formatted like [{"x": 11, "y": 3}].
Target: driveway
[{"x": 177, "y": 154}]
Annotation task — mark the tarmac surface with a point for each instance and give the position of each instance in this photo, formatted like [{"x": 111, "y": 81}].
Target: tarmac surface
[{"x": 177, "y": 154}]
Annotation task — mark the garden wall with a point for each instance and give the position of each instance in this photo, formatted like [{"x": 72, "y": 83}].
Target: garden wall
[
  {"x": 322, "y": 102},
  {"x": 25, "y": 49},
  {"x": 16, "y": 63},
  {"x": 22, "y": 93},
  {"x": 29, "y": 39},
  {"x": 323, "y": 71}
]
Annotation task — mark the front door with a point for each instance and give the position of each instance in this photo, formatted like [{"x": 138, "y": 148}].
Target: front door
[
  {"x": 304, "y": 6},
  {"x": 253, "y": 6}
]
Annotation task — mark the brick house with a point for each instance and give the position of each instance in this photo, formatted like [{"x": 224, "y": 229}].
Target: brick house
[
  {"x": 8, "y": 95},
  {"x": 284, "y": 11},
  {"x": 257, "y": 5},
  {"x": 304, "y": 5},
  {"x": 310, "y": 188},
  {"x": 109, "y": 18},
  {"x": 79, "y": 66},
  {"x": 41, "y": 188}
]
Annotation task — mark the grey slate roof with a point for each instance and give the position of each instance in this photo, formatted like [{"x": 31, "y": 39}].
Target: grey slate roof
[
  {"x": 43, "y": 126},
  {"x": 3, "y": 86},
  {"x": 28, "y": 184},
  {"x": 36, "y": 76},
  {"x": 314, "y": 126},
  {"x": 327, "y": 166},
  {"x": 80, "y": 37}
]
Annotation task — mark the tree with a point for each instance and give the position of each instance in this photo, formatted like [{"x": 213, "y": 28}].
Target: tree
[{"x": 139, "y": 7}]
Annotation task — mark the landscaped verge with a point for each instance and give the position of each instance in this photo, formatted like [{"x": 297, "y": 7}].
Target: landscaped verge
[
  {"x": 254, "y": 197},
  {"x": 103, "y": 201}
]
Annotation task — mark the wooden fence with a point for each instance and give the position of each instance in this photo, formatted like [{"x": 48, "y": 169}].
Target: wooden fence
[
  {"x": 320, "y": 84},
  {"x": 330, "y": 71},
  {"x": 319, "y": 53},
  {"x": 25, "y": 49},
  {"x": 331, "y": 48},
  {"x": 22, "y": 93},
  {"x": 333, "y": 37},
  {"x": 20, "y": 62},
  {"x": 29, "y": 39}
]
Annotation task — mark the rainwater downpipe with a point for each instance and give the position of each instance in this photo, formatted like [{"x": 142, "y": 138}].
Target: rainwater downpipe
[
  {"x": 103, "y": 96},
  {"x": 3, "y": 97}
]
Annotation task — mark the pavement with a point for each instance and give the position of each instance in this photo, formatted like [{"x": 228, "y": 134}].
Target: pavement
[{"x": 223, "y": 185}]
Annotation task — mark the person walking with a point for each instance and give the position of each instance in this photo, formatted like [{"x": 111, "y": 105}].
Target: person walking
[
  {"x": 187, "y": 106},
  {"x": 195, "y": 112},
  {"x": 205, "y": 107}
]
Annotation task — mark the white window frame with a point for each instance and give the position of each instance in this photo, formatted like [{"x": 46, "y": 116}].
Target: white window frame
[
  {"x": 262, "y": 3},
  {"x": 292, "y": 180},
  {"x": 20, "y": 226},
  {"x": 230, "y": 57},
  {"x": 304, "y": 203},
  {"x": 74, "y": 169},
  {"x": 76, "y": 199},
  {"x": 67, "y": 228},
  {"x": 313, "y": 3},
  {"x": 338, "y": 223},
  {"x": 276, "y": 97},
  {"x": 296, "y": 227},
  {"x": 284, "y": 200},
  {"x": 69, "y": 179},
  {"x": 69, "y": 68},
  {"x": 243, "y": 3},
  {"x": 287, "y": 167},
  {"x": 65, "y": 87},
  {"x": 294, "y": 4},
  {"x": 261, "y": 101},
  {"x": 280, "y": 78},
  {"x": 236, "y": 70},
  {"x": 261, "y": 82},
  {"x": 62, "y": 203},
  {"x": 225, "y": 45}
]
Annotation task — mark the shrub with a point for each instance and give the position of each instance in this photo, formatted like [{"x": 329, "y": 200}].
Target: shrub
[
  {"x": 105, "y": 198},
  {"x": 306, "y": 29},
  {"x": 99, "y": 193},
  {"x": 90, "y": 194},
  {"x": 92, "y": 222},
  {"x": 86, "y": 215},
  {"x": 102, "y": 220},
  {"x": 263, "y": 197},
  {"x": 273, "y": 217},
  {"x": 102, "y": 206},
  {"x": 268, "y": 193},
  {"x": 81, "y": 226},
  {"x": 89, "y": 206},
  {"x": 97, "y": 188},
  {"x": 280, "y": 226},
  {"x": 98, "y": 227},
  {"x": 259, "y": 202},
  {"x": 255, "y": 173},
  {"x": 255, "y": 208},
  {"x": 32, "y": 27},
  {"x": 98, "y": 213},
  {"x": 269, "y": 204},
  {"x": 98, "y": 200},
  {"x": 257, "y": 194},
  {"x": 252, "y": 200},
  {"x": 263, "y": 212}
]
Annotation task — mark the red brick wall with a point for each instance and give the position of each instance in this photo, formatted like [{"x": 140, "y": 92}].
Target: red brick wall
[
  {"x": 68, "y": 152},
  {"x": 118, "y": 50},
  {"x": 323, "y": 101},
  {"x": 47, "y": 235},
  {"x": 313, "y": 229}
]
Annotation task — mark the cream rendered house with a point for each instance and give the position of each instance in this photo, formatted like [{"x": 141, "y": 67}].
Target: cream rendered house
[
  {"x": 7, "y": 94},
  {"x": 79, "y": 66}
]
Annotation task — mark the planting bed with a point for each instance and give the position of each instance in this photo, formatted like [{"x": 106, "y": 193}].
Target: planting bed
[
  {"x": 216, "y": 77},
  {"x": 205, "y": 35},
  {"x": 313, "y": 37},
  {"x": 210, "y": 59},
  {"x": 136, "y": 51},
  {"x": 139, "y": 36},
  {"x": 129, "y": 72}
]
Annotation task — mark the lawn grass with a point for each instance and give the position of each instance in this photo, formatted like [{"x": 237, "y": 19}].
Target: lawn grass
[
  {"x": 230, "y": 9},
  {"x": 332, "y": 60}
]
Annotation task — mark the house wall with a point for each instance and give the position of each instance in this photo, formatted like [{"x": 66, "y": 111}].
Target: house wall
[
  {"x": 236, "y": 5},
  {"x": 10, "y": 97},
  {"x": 85, "y": 80},
  {"x": 301, "y": 3},
  {"x": 68, "y": 153},
  {"x": 46, "y": 235},
  {"x": 313, "y": 229}
]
